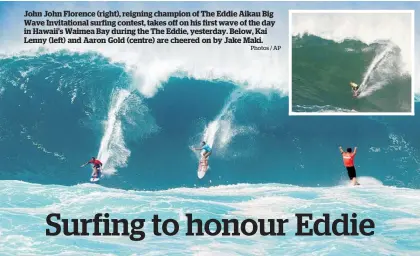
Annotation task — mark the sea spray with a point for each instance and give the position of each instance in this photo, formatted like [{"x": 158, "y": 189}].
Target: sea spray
[{"x": 113, "y": 152}]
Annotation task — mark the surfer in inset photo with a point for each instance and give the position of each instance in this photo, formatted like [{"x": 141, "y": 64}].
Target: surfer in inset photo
[{"x": 351, "y": 62}]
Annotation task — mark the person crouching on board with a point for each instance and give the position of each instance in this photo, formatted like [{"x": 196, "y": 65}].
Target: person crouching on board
[
  {"x": 96, "y": 166},
  {"x": 354, "y": 87},
  {"x": 207, "y": 151},
  {"x": 348, "y": 159}
]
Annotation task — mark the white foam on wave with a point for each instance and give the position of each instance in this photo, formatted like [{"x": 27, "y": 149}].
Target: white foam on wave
[
  {"x": 364, "y": 181},
  {"x": 404, "y": 223},
  {"x": 126, "y": 110},
  {"x": 112, "y": 152},
  {"x": 323, "y": 109},
  {"x": 381, "y": 69}
]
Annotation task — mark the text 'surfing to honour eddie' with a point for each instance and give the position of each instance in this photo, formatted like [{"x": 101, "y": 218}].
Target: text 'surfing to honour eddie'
[{"x": 102, "y": 225}]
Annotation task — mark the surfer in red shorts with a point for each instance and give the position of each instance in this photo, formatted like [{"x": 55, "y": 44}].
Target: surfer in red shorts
[
  {"x": 348, "y": 159},
  {"x": 96, "y": 166}
]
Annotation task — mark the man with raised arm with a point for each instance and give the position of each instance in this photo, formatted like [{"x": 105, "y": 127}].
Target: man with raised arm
[{"x": 348, "y": 159}]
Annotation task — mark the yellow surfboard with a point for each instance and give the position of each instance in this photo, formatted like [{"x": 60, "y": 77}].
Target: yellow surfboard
[{"x": 353, "y": 85}]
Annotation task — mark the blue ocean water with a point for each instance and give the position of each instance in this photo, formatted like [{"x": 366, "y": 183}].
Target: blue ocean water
[
  {"x": 59, "y": 109},
  {"x": 55, "y": 110}
]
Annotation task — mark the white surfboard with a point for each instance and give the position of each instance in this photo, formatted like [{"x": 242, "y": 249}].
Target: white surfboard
[{"x": 94, "y": 179}]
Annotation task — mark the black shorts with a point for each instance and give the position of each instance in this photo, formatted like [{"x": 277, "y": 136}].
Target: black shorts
[
  {"x": 97, "y": 166},
  {"x": 351, "y": 171}
]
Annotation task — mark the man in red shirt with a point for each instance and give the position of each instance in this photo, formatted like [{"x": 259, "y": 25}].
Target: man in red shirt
[
  {"x": 348, "y": 159},
  {"x": 96, "y": 166}
]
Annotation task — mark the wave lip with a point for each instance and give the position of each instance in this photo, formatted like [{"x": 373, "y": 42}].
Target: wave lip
[{"x": 248, "y": 130}]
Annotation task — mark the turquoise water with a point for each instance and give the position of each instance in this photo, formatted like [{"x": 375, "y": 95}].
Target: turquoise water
[
  {"x": 52, "y": 123},
  {"x": 23, "y": 216}
]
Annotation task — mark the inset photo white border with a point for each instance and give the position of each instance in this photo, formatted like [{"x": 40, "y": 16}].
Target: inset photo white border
[{"x": 411, "y": 113}]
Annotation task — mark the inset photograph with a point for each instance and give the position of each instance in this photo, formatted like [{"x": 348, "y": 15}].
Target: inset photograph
[{"x": 348, "y": 62}]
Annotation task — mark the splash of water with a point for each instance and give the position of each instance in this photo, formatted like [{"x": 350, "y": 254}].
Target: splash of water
[
  {"x": 374, "y": 66},
  {"x": 112, "y": 151},
  {"x": 365, "y": 27}
]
